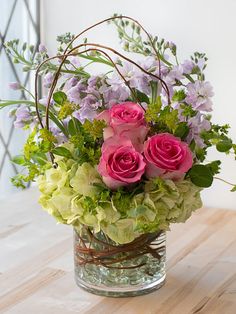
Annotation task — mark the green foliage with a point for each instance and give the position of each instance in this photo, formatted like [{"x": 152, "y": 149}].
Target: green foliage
[
  {"x": 65, "y": 38},
  {"x": 19, "y": 160},
  {"x": 47, "y": 136},
  {"x": 141, "y": 97},
  {"x": 233, "y": 189},
  {"x": 181, "y": 130},
  {"x": 153, "y": 111},
  {"x": 89, "y": 203},
  {"x": 201, "y": 175},
  {"x": 179, "y": 95},
  {"x": 188, "y": 111},
  {"x": 201, "y": 153},
  {"x": 218, "y": 136},
  {"x": 59, "y": 97},
  {"x": 122, "y": 200},
  {"x": 214, "y": 167},
  {"x": 94, "y": 128},
  {"x": 224, "y": 145},
  {"x": 62, "y": 151},
  {"x": 74, "y": 126},
  {"x": 169, "y": 117},
  {"x": 66, "y": 110}
]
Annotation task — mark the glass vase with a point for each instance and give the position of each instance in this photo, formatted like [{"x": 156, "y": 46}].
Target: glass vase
[{"x": 102, "y": 267}]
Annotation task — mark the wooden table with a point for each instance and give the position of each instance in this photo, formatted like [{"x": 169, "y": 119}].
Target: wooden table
[{"x": 36, "y": 266}]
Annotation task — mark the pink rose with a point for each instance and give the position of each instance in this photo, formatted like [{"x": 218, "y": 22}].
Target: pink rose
[
  {"x": 167, "y": 156},
  {"x": 120, "y": 164},
  {"x": 127, "y": 120}
]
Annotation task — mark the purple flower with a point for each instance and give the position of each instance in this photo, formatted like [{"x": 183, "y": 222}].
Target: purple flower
[
  {"x": 70, "y": 83},
  {"x": 197, "y": 125},
  {"x": 187, "y": 66},
  {"x": 114, "y": 94},
  {"x": 23, "y": 117},
  {"x": 85, "y": 113},
  {"x": 14, "y": 85},
  {"x": 201, "y": 63},
  {"x": 42, "y": 48},
  {"x": 43, "y": 101},
  {"x": 74, "y": 94},
  {"x": 176, "y": 73},
  {"x": 61, "y": 138},
  {"x": 74, "y": 64},
  {"x": 48, "y": 79},
  {"x": 128, "y": 71},
  {"x": 199, "y": 94}
]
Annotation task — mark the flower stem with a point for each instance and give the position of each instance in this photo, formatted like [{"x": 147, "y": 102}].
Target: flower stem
[{"x": 227, "y": 182}]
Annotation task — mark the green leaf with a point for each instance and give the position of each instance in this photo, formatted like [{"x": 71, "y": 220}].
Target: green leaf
[
  {"x": 59, "y": 97},
  {"x": 201, "y": 153},
  {"x": 201, "y": 176},
  {"x": 62, "y": 151},
  {"x": 214, "y": 166},
  {"x": 19, "y": 160},
  {"x": 224, "y": 145},
  {"x": 40, "y": 158},
  {"x": 94, "y": 128},
  {"x": 66, "y": 110},
  {"x": 141, "y": 97},
  {"x": 179, "y": 95},
  {"x": 233, "y": 189},
  {"x": 71, "y": 127},
  {"x": 182, "y": 130},
  {"x": 153, "y": 110},
  {"x": 74, "y": 126}
]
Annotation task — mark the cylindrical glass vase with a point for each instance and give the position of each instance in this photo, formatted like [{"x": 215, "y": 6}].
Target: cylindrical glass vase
[{"x": 105, "y": 268}]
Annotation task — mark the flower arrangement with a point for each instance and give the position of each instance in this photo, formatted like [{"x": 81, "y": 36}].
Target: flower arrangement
[{"x": 122, "y": 152}]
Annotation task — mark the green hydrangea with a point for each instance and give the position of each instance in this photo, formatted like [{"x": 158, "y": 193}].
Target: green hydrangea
[
  {"x": 75, "y": 195},
  {"x": 85, "y": 179}
]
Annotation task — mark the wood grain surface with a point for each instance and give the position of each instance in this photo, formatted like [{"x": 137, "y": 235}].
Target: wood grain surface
[{"x": 36, "y": 266}]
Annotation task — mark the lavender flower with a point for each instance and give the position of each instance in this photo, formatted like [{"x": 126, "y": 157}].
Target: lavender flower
[
  {"x": 74, "y": 64},
  {"x": 70, "y": 83},
  {"x": 187, "y": 66},
  {"x": 42, "y": 48},
  {"x": 199, "y": 94},
  {"x": 176, "y": 73},
  {"x": 14, "y": 85},
  {"x": 74, "y": 94},
  {"x": 85, "y": 113},
  {"x": 201, "y": 63},
  {"x": 43, "y": 101},
  {"x": 197, "y": 125},
  {"x": 61, "y": 138},
  {"x": 129, "y": 73},
  {"x": 48, "y": 79},
  {"x": 114, "y": 94},
  {"x": 23, "y": 117}
]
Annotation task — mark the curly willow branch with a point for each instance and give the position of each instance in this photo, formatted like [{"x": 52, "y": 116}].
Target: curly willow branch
[
  {"x": 108, "y": 255},
  {"x": 70, "y": 53}
]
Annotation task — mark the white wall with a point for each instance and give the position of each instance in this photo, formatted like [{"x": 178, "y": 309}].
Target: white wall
[{"x": 204, "y": 25}]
